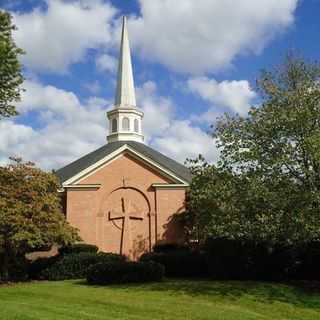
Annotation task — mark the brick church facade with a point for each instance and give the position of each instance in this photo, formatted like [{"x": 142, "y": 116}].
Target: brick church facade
[{"x": 124, "y": 196}]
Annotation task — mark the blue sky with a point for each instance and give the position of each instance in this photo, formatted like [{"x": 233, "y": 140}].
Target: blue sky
[{"x": 193, "y": 61}]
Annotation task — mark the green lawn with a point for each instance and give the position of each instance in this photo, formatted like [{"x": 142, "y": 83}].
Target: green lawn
[{"x": 173, "y": 299}]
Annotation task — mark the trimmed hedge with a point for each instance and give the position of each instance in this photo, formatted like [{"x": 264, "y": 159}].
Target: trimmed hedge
[
  {"x": 77, "y": 248},
  {"x": 308, "y": 266},
  {"x": 118, "y": 272},
  {"x": 36, "y": 267},
  {"x": 179, "y": 263},
  {"x": 74, "y": 266},
  {"x": 17, "y": 271},
  {"x": 247, "y": 260},
  {"x": 169, "y": 247}
]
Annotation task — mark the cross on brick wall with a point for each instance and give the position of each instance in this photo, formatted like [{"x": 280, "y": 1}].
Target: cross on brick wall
[{"x": 127, "y": 214}]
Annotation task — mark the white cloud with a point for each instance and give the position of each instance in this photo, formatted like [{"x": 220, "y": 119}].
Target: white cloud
[
  {"x": 158, "y": 110},
  {"x": 93, "y": 87},
  {"x": 69, "y": 129},
  {"x": 182, "y": 140},
  {"x": 106, "y": 62},
  {"x": 176, "y": 138},
  {"x": 237, "y": 96},
  {"x": 206, "y": 35},
  {"x": 61, "y": 35}
]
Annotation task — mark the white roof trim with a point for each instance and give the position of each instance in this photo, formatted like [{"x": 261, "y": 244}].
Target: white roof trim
[
  {"x": 169, "y": 186},
  {"x": 113, "y": 156},
  {"x": 95, "y": 186},
  {"x": 93, "y": 168}
]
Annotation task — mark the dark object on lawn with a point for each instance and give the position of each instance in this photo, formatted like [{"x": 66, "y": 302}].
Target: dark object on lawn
[{"x": 118, "y": 272}]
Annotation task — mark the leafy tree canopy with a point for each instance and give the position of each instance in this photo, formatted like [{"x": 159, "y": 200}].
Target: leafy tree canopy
[
  {"x": 10, "y": 68},
  {"x": 30, "y": 212},
  {"x": 266, "y": 185}
]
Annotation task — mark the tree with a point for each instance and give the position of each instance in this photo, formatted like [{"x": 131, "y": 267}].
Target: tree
[
  {"x": 266, "y": 186},
  {"x": 30, "y": 216},
  {"x": 10, "y": 68}
]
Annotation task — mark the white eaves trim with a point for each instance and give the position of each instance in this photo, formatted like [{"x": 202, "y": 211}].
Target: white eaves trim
[
  {"x": 113, "y": 156},
  {"x": 169, "y": 186},
  {"x": 83, "y": 186}
]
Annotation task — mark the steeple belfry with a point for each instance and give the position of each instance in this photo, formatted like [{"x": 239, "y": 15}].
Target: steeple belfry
[
  {"x": 125, "y": 94},
  {"x": 125, "y": 119}
]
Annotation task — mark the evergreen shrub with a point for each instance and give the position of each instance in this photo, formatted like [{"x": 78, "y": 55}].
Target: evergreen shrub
[
  {"x": 74, "y": 266},
  {"x": 118, "y": 272},
  {"x": 181, "y": 263}
]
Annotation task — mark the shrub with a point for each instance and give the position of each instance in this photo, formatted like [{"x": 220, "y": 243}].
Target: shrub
[
  {"x": 308, "y": 266},
  {"x": 74, "y": 266},
  {"x": 36, "y": 267},
  {"x": 247, "y": 260},
  {"x": 118, "y": 272},
  {"x": 179, "y": 263},
  {"x": 17, "y": 270},
  {"x": 169, "y": 247},
  {"x": 228, "y": 259},
  {"x": 77, "y": 248}
]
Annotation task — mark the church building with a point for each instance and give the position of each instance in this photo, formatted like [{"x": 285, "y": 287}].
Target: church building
[{"x": 124, "y": 196}]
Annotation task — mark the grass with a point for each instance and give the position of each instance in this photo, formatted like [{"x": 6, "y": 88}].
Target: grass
[{"x": 172, "y": 299}]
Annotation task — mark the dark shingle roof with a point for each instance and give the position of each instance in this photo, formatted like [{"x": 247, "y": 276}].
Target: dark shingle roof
[{"x": 86, "y": 161}]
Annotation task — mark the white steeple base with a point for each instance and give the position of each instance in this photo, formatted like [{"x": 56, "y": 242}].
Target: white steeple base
[
  {"x": 128, "y": 136},
  {"x": 125, "y": 119},
  {"x": 125, "y": 125}
]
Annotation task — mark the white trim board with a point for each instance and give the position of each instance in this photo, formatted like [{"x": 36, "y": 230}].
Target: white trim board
[{"x": 169, "y": 186}]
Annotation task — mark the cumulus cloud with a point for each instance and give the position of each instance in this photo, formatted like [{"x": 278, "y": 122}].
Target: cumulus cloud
[
  {"x": 60, "y": 35},
  {"x": 68, "y": 130},
  {"x": 158, "y": 110},
  {"x": 182, "y": 140},
  {"x": 237, "y": 96},
  {"x": 206, "y": 35},
  {"x": 167, "y": 133},
  {"x": 106, "y": 62}
]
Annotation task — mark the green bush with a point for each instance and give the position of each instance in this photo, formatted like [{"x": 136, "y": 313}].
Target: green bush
[
  {"x": 169, "y": 247},
  {"x": 179, "y": 263},
  {"x": 17, "y": 271},
  {"x": 118, "y": 272},
  {"x": 74, "y": 266},
  {"x": 247, "y": 260},
  {"x": 308, "y": 265},
  {"x": 77, "y": 248},
  {"x": 36, "y": 267}
]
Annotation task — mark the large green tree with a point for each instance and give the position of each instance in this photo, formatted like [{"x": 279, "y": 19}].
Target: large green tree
[
  {"x": 30, "y": 213},
  {"x": 10, "y": 68},
  {"x": 266, "y": 185}
]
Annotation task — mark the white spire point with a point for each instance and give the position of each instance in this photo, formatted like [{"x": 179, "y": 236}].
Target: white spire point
[
  {"x": 125, "y": 94},
  {"x": 125, "y": 119}
]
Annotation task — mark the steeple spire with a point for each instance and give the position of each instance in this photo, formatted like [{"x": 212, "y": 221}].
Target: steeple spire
[
  {"x": 125, "y": 94},
  {"x": 125, "y": 119}
]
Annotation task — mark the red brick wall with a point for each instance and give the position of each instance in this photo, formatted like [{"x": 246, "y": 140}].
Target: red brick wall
[{"x": 149, "y": 211}]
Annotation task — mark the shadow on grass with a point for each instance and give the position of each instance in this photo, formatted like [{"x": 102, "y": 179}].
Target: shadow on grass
[{"x": 294, "y": 293}]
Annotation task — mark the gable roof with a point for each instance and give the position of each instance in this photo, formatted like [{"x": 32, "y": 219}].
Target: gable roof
[{"x": 90, "y": 159}]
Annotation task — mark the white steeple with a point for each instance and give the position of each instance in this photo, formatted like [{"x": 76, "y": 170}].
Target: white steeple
[
  {"x": 125, "y": 95},
  {"x": 125, "y": 119}
]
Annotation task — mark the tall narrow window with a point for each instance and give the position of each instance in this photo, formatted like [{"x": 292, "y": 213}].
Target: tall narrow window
[
  {"x": 136, "y": 125},
  {"x": 125, "y": 124},
  {"x": 114, "y": 125}
]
